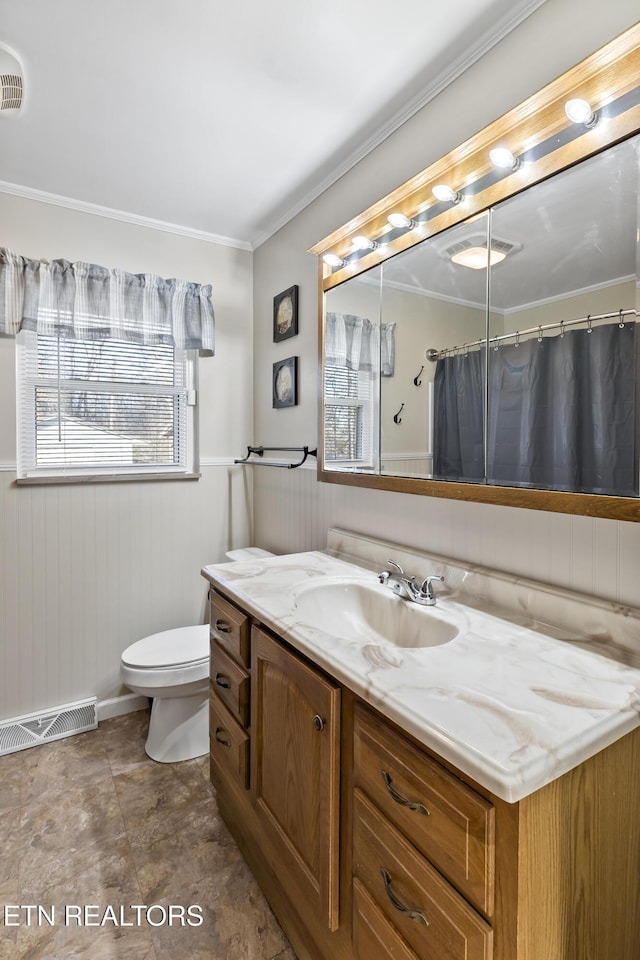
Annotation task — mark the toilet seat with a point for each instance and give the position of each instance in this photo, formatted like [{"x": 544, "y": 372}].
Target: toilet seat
[{"x": 171, "y": 649}]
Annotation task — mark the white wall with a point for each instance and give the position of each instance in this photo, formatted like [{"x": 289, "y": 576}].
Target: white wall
[
  {"x": 86, "y": 569},
  {"x": 293, "y": 511}
]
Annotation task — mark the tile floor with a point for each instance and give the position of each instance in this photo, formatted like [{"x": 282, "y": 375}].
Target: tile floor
[{"x": 90, "y": 820}]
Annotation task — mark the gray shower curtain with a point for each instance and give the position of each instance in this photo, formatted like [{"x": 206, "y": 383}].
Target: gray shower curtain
[{"x": 562, "y": 413}]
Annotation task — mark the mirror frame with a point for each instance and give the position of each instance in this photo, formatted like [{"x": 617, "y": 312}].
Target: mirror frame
[{"x": 601, "y": 78}]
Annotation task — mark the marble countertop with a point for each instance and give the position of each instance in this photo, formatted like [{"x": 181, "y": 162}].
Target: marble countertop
[{"x": 511, "y": 701}]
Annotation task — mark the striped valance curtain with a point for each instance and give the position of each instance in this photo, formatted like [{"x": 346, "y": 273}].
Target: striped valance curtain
[
  {"x": 88, "y": 302},
  {"x": 358, "y": 344}
]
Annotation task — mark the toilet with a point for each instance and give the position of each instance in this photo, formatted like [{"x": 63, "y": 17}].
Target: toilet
[{"x": 172, "y": 667}]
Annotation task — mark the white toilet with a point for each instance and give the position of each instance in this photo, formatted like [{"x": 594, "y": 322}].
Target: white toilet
[{"x": 173, "y": 668}]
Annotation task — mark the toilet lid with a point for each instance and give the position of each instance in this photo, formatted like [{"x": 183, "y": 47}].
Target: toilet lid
[{"x": 171, "y": 648}]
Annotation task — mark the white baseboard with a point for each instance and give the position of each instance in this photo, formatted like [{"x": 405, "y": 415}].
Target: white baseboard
[{"x": 117, "y": 706}]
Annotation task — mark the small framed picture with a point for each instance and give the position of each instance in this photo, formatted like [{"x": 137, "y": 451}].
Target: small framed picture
[
  {"x": 285, "y": 383},
  {"x": 285, "y": 314}
]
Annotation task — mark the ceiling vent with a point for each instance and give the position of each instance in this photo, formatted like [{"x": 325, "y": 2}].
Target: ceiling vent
[
  {"x": 11, "y": 87},
  {"x": 480, "y": 241},
  {"x": 472, "y": 251},
  {"x": 10, "y": 91}
]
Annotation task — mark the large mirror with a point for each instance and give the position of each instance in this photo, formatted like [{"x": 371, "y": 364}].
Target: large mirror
[{"x": 549, "y": 279}]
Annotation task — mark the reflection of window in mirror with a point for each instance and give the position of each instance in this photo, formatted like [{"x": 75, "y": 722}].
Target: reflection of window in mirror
[{"x": 352, "y": 374}]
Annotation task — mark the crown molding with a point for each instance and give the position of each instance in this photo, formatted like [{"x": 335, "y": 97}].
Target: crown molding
[
  {"x": 82, "y": 206},
  {"x": 483, "y": 44}
]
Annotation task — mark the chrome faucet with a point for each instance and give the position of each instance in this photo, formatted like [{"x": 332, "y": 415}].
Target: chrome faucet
[{"x": 406, "y": 587}]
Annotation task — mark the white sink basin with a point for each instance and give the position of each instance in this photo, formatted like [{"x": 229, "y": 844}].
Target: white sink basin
[{"x": 353, "y": 610}]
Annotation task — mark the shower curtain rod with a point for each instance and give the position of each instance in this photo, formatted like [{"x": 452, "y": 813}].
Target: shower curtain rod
[{"x": 591, "y": 318}]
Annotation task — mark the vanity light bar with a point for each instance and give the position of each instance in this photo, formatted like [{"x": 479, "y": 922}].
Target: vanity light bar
[{"x": 577, "y": 110}]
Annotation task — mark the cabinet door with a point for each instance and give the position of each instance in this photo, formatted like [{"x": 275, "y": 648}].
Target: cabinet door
[{"x": 295, "y": 772}]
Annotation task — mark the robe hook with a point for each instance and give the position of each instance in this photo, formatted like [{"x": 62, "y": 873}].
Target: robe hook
[
  {"x": 417, "y": 379},
  {"x": 396, "y": 417}
]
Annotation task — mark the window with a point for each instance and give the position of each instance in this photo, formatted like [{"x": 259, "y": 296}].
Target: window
[
  {"x": 103, "y": 407},
  {"x": 348, "y": 416}
]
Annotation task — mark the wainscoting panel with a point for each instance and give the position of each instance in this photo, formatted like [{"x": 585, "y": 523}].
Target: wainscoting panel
[
  {"x": 87, "y": 569},
  {"x": 597, "y": 557}
]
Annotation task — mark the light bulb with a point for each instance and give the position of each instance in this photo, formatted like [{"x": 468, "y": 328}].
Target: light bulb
[
  {"x": 363, "y": 243},
  {"x": 503, "y": 158},
  {"x": 579, "y": 111},
  {"x": 399, "y": 221},
  {"x": 445, "y": 194},
  {"x": 332, "y": 260}
]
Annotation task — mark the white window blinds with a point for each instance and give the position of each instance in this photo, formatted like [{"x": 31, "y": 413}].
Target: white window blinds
[{"x": 102, "y": 406}]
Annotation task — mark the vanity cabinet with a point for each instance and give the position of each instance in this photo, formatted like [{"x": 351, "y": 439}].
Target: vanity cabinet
[
  {"x": 369, "y": 846},
  {"x": 295, "y": 771}
]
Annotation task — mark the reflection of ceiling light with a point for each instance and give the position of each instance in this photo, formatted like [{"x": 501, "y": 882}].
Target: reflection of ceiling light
[
  {"x": 332, "y": 260},
  {"x": 363, "y": 243},
  {"x": 399, "y": 221},
  {"x": 476, "y": 257},
  {"x": 445, "y": 194},
  {"x": 503, "y": 158},
  {"x": 579, "y": 111}
]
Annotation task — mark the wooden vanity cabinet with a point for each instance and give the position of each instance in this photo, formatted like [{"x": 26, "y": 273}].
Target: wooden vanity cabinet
[
  {"x": 325, "y": 798},
  {"x": 295, "y": 771}
]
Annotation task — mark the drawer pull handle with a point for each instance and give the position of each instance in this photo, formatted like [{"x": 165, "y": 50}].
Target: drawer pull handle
[
  {"x": 318, "y": 723},
  {"x": 223, "y": 681},
  {"x": 220, "y": 739},
  {"x": 222, "y": 626},
  {"x": 414, "y": 805},
  {"x": 416, "y": 915}
]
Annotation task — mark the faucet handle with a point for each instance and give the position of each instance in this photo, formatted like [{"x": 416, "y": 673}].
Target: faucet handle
[{"x": 392, "y": 563}]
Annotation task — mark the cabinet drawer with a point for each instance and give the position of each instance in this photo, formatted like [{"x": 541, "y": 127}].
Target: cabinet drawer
[
  {"x": 457, "y": 832},
  {"x": 229, "y": 744},
  {"x": 427, "y": 912},
  {"x": 230, "y": 682},
  {"x": 230, "y": 627},
  {"x": 373, "y": 936}
]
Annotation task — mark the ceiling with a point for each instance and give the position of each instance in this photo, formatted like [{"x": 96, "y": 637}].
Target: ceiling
[{"x": 222, "y": 120}]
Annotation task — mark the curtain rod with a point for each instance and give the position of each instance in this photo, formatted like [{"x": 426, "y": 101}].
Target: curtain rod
[{"x": 589, "y": 319}]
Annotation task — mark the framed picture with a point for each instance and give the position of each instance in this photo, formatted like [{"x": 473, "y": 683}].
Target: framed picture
[
  {"x": 285, "y": 383},
  {"x": 285, "y": 314}
]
